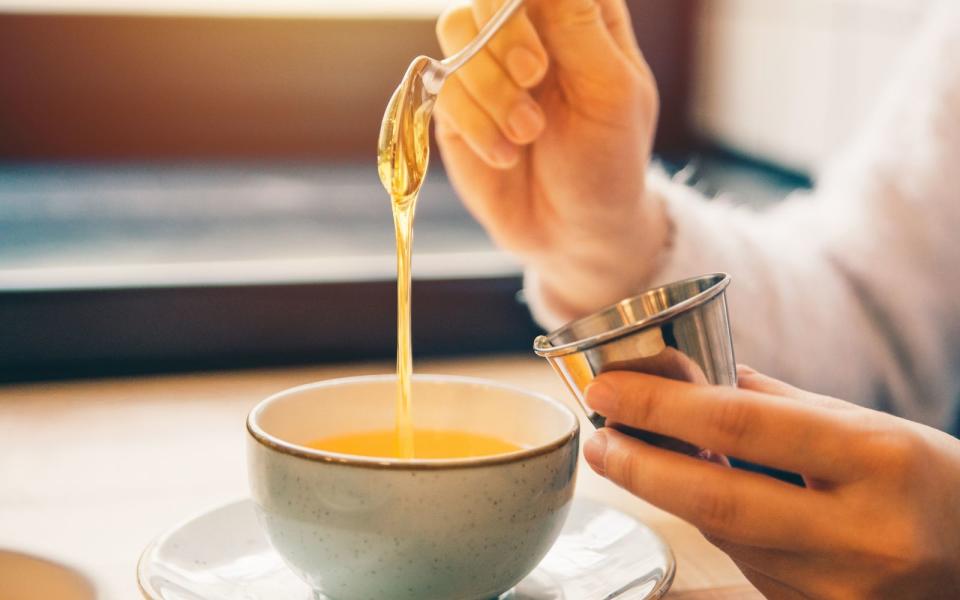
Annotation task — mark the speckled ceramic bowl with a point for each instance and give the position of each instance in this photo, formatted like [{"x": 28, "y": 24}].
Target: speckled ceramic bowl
[{"x": 367, "y": 529}]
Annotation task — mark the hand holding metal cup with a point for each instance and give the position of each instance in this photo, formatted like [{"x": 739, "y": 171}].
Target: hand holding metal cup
[{"x": 679, "y": 331}]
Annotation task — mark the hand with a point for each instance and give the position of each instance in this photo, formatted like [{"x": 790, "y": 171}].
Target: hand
[
  {"x": 879, "y": 518},
  {"x": 547, "y": 134}
]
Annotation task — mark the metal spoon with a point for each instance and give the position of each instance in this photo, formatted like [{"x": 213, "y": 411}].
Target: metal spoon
[
  {"x": 437, "y": 71},
  {"x": 401, "y": 168}
]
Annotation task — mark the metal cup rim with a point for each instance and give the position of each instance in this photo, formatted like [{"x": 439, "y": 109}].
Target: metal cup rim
[{"x": 544, "y": 347}]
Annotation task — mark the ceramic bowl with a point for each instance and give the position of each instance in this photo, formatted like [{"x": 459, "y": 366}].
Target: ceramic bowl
[{"x": 358, "y": 528}]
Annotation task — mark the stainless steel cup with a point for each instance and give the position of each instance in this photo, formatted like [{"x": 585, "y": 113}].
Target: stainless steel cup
[{"x": 679, "y": 331}]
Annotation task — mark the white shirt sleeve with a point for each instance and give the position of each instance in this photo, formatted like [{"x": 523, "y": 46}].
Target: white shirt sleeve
[{"x": 853, "y": 290}]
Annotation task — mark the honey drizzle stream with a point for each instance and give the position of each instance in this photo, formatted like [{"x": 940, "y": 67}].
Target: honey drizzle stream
[
  {"x": 403, "y": 155},
  {"x": 403, "y": 216}
]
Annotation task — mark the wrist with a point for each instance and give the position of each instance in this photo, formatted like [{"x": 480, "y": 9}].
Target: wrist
[{"x": 578, "y": 279}]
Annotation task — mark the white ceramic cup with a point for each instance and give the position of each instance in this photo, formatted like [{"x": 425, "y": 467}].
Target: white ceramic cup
[{"x": 357, "y": 528}]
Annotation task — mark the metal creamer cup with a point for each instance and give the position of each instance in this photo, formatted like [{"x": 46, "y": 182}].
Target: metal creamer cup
[{"x": 679, "y": 331}]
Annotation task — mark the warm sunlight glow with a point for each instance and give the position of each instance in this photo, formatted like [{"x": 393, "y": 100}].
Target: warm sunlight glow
[{"x": 372, "y": 8}]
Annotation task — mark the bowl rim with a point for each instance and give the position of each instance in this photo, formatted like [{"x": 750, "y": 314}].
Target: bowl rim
[
  {"x": 545, "y": 348},
  {"x": 272, "y": 442}
]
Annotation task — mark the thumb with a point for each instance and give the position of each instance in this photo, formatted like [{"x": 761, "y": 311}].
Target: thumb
[{"x": 578, "y": 40}]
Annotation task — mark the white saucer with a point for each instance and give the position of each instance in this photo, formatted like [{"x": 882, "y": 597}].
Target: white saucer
[{"x": 222, "y": 554}]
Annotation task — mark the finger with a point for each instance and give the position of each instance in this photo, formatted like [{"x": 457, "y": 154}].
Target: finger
[
  {"x": 487, "y": 185},
  {"x": 760, "y": 428},
  {"x": 616, "y": 15},
  {"x": 458, "y": 112},
  {"x": 743, "y": 507},
  {"x": 578, "y": 40},
  {"x": 749, "y": 379},
  {"x": 769, "y": 586},
  {"x": 517, "y": 46},
  {"x": 516, "y": 113}
]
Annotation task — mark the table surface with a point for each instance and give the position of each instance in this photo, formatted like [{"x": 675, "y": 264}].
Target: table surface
[{"x": 91, "y": 471}]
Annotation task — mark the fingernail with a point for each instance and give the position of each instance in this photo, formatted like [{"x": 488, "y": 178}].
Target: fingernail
[
  {"x": 525, "y": 121},
  {"x": 712, "y": 457},
  {"x": 504, "y": 154},
  {"x": 602, "y": 397},
  {"x": 595, "y": 451},
  {"x": 526, "y": 68}
]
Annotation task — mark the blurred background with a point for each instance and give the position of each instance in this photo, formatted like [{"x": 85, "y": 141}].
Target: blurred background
[{"x": 191, "y": 184}]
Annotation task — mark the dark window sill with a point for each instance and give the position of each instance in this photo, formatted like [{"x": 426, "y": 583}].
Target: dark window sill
[{"x": 140, "y": 269}]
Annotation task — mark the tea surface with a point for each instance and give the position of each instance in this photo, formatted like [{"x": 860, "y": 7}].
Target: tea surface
[{"x": 428, "y": 444}]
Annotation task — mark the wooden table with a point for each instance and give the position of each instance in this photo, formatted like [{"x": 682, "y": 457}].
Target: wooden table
[{"x": 92, "y": 471}]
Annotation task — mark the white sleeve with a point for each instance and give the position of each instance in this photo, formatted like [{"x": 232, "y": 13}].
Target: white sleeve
[{"x": 854, "y": 290}]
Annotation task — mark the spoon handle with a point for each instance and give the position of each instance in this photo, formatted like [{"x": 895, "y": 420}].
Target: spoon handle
[{"x": 455, "y": 61}]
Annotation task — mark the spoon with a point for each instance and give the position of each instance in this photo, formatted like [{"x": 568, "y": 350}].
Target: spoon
[
  {"x": 403, "y": 145},
  {"x": 435, "y": 72}
]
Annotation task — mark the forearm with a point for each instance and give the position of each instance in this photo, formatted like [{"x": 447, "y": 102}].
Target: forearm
[{"x": 801, "y": 307}]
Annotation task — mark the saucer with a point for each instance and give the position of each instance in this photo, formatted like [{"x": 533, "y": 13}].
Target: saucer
[{"x": 222, "y": 554}]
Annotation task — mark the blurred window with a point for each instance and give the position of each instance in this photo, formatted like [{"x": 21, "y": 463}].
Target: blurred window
[
  {"x": 191, "y": 183},
  {"x": 789, "y": 81}
]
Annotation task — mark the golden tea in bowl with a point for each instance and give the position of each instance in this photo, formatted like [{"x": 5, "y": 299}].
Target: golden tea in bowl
[{"x": 428, "y": 444}]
